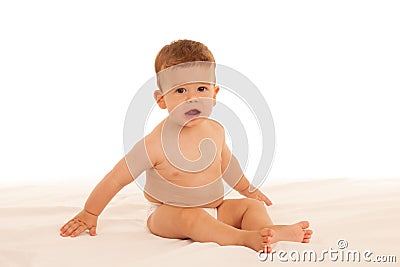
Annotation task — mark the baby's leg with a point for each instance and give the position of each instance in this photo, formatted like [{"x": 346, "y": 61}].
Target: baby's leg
[
  {"x": 198, "y": 225},
  {"x": 251, "y": 214}
]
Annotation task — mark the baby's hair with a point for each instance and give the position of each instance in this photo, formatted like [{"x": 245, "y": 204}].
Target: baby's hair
[{"x": 182, "y": 51}]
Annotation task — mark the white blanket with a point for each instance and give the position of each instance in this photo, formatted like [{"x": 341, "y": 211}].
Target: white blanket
[{"x": 363, "y": 213}]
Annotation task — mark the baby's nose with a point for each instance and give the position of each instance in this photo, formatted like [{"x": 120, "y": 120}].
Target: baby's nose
[
  {"x": 192, "y": 100},
  {"x": 192, "y": 97}
]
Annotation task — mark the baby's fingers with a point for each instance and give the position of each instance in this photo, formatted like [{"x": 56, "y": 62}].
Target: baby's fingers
[
  {"x": 78, "y": 231},
  {"x": 66, "y": 227},
  {"x": 69, "y": 230},
  {"x": 73, "y": 228},
  {"x": 92, "y": 231},
  {"x": 267, "y": 201}
]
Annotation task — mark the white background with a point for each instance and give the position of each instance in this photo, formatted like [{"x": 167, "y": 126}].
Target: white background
[{"x": 329, "y": 70}]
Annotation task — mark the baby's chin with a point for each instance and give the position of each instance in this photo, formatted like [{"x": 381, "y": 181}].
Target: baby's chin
[
  {"x": 185, "y": 122},
  {"x": 195, "y": 122}
]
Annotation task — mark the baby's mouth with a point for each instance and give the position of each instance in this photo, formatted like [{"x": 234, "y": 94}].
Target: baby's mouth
[{"x": 193, "y": 112}]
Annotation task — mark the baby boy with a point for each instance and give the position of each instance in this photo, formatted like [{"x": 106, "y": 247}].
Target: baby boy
[{"x": 185, "y": 159}]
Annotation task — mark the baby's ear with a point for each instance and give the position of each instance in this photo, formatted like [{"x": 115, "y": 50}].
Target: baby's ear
[
  {"x": 159, "y": 99},
  {"x": 216, "y": 90}
]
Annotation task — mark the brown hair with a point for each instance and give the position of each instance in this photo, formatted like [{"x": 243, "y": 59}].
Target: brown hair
[{"x": 182, "y": 51}]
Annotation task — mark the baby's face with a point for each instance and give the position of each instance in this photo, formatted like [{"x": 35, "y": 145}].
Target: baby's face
[{"x": 190, "y": 103}]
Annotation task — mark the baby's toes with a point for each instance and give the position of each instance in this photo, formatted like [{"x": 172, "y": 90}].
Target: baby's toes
[
  {"x": 306, "y": 239},
  {"x": 303, "y": 224},
  {"x": 266, "y": 239},
  {"x": 307, "y": 234},
  {"x": 267, "y": 248},
  {"x": 267, "y": 233}
]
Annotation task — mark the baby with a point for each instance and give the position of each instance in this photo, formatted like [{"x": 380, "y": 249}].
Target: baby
[{"x": 186, "y": 158}]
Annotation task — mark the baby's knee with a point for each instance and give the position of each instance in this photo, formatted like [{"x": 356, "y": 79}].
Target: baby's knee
[{"x": 253, "y": 203}]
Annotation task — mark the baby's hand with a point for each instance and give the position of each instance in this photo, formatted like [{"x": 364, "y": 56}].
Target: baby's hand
[
  {"x": 257, "y": 194},
  {"x": 81, "y": 222}
]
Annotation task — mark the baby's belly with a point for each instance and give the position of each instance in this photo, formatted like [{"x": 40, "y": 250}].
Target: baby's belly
[{"x": 204, "y": 192}]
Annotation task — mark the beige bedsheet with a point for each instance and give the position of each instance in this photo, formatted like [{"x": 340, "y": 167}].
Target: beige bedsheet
[{"x": 363, "y": 213}]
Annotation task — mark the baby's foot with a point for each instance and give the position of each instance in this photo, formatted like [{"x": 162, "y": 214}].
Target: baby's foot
[
  {"x": 297, "y": 232},
  {"x": 259, "y": 240}
]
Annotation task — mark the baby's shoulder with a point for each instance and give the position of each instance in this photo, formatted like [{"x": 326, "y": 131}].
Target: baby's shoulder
[
  {"x": 153, "y": 138},
  {"x": 155, "y": 135},
  {"x": 216, "y": 126},
  {"x": 153, "y": 147}
]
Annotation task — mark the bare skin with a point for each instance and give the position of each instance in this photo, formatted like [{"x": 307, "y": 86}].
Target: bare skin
[{"x": 243, "y": 222}]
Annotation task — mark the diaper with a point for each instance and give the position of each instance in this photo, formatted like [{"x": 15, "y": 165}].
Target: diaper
[{"x": 153, "y": 206}]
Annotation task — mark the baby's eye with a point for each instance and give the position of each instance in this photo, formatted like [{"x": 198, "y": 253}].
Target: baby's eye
[
  {"x": 180, "y": 90},
  {"x": 201, "y": 89}
]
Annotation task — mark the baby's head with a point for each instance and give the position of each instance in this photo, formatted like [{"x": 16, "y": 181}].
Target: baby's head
[
  {"x": 182, "y": 51},
  {"x": 186, "y": 80}
]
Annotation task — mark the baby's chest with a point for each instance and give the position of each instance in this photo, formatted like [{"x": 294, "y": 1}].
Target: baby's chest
[
  {"x": 190, "y": 161},
  {"x": 190, "y": 173},
  {"x": 190, "y": 158}
]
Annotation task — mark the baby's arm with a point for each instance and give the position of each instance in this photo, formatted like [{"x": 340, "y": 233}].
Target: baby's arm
[
  {"x": 233, "y": 175},
  {"x": 101, "y": 195},
  {"x": 124, "y": 172},
  {"x": 107, "y": 188}
]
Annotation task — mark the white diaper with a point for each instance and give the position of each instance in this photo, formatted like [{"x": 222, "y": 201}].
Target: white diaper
[{"x": 153, "y": 206}]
